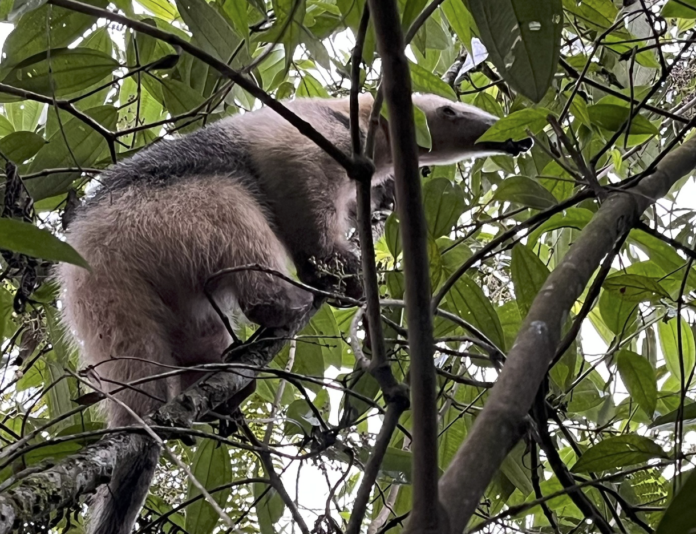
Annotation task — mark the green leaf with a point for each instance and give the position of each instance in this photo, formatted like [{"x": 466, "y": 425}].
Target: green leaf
[
  {"x": 639, "y": 377},
  {"x": 180, "y": 97},
  {"x": 669, "y": 342},
  {"x": 687, "y": 414},
  {"x": 635, "y": 288},
  {"x": 211, "y": 466},
  {"x": 397, "y": 465},
  {"x": 392, "y": 235},
  {"x": 528, "y": 276},
  {"x": 487, "y": 103},
  {"x": 444, "y": 203},
  {"x": 411, "y": 11},
  {"x": 269, "y": 507},
  {"x": 523, "y": 39},
  {"x": 472, "y": 305},
  {"x": 680, "y": 517},
  {"x": 575, "y": 218},
  {"x": 18, "y": 147},
  {"x": 59, "y": 399},
  {"x": 6, "y": 309},
  {"x": 515, "y": 467},
  {"x": 310, "y": 87},
  {"x": 30, "y": 37},
  {"x": 426, "y": 82},
  {"x": 237, "y": 12},
  {"x": 84, "y": 144},
  {"x": 461, "y": 21},
  {"x": 26, "y": 238},
  {"x": 323, "y": 326},
  {"x": 24, "y": 115},
  {"x": 618, "y": 314},
  {"x": 585, "y": 396},
  {"x": 612, "y": 117},
  {"x": 422, "y": 129},
  {"x": 209, "y": 28},
  {"x": 680, "y": 9},
  {"x": 524, "y": 191},
  {"x": 596, "y": 13},
  {"x": 6, "y": 126},
  {"x": 162, "y": 8},
  {"x": 618, "y": 451},
  {"x": 515, "y": 125},
  {"x": 67, "y": 71},
  {"x": 661, "y": 254}
]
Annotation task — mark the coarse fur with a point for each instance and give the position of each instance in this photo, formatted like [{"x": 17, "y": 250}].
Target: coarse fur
[{"x": 249, "y": 189}]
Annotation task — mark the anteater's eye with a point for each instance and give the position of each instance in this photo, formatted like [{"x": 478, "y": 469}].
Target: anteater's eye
[{"x": 448, "y": 111}]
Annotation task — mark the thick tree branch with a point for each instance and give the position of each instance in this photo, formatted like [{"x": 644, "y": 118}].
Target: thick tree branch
[
  {"x": 497, "y": 428},
  {"x": 61, "y": 486},
  {"x": 396, "y": 85}
]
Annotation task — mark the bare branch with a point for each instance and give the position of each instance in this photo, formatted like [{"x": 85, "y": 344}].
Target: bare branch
[
  {"x": 396, "y": 85},
  {"x": 498, "y": 427}
]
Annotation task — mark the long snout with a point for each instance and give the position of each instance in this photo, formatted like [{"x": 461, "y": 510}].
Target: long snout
[{"x": 513, "y": 148}]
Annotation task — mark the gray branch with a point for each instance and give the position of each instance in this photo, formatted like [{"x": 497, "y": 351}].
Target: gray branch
[
  {"x": 501, "y": 422},
  {"x": 62, "y": 485}
]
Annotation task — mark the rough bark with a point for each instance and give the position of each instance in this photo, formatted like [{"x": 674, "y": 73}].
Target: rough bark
[
  {"x": 62, "y": 485},
  {"x": 499, "y": 425}
]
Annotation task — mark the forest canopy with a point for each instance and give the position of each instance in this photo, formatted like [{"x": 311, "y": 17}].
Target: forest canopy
[{"x": 561, "y": 355}]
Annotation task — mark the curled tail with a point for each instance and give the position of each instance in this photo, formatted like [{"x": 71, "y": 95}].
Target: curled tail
[{"x": 117, "y": 504}]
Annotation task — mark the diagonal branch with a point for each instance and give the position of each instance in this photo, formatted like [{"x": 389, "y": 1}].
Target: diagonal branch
[
  {"x": 498, "y": 427},
  {"x": 62, "y": 485},
  {"x": 60, "y": 104},
  {"x": 245, "y": 83}
]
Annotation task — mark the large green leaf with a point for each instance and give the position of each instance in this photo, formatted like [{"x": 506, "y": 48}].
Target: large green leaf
[
  {"x": 524, "y": 191},
  {"x": 634, "y": 287},
  {"x": 618, "y": 314},
  {"x": 612, "y": 117},
  {"x": 425, "y": 81},
  {"x": 473, "y": 306},
  {"x": 639, "y": 377},
  {"x": 680, "y": 517},
  {"x": 575, "y": 218},
  {"x": 84, "y": 148},
  {"x": 528, "y": 275},
  {"x": 523, "y": 39},
  {"x": 30, "y": 37},
  {"x": 444, "y": 203},
  {"x": 212, "y": 468},
  {"x": 63, "y": 72},
  {"x": 24, "y": 115},
  {"x": 461, "y": 21},
  {"x": 515, "y": 125},
  {"x": 595, "y": 13},
  {"x": 162, "y": 8},
  {"x": 618, "y": 451},
  {"x": 677, "y": 355},
  {"x": 6, "y": 126},
  {"x": 18, "y": 147},
  {"x": 209, "y": 28},
  {"x": 688, "y": 413},
  {"x": 269, "y": 507},
  {"x": 684, "y": 9},
  {"x": 26, "y": 238}
]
